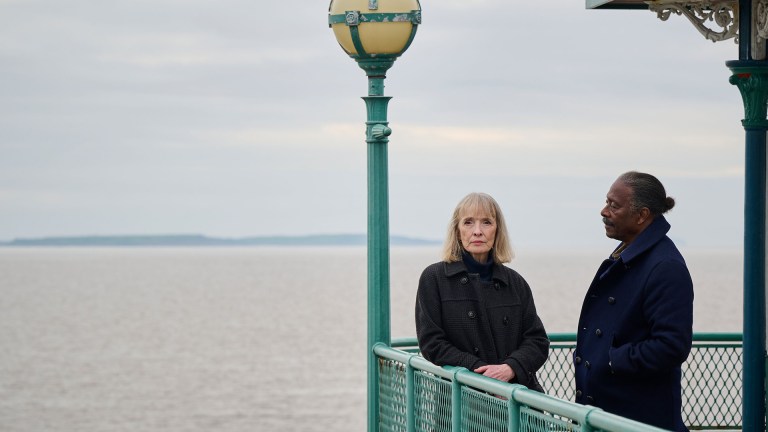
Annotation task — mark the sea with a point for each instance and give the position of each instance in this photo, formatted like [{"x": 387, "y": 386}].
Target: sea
[{"x": 241, "y": 339}]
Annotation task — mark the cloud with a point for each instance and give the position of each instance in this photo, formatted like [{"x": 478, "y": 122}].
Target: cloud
[{"x": 212, "y": 117}]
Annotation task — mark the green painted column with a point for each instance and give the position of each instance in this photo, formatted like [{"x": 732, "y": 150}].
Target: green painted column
[
  {"x": 376, "y": 137},
  {"x": 751, "y": 77}
]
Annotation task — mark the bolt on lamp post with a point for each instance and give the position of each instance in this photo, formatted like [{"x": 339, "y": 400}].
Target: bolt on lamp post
[{"x": 375, "y": 33}]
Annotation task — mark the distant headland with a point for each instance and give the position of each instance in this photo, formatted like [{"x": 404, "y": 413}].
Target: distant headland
[{"x": 197, "y": 240}]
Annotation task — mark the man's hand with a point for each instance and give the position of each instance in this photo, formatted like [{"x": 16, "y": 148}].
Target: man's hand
[{"x": 501, "y": 372}]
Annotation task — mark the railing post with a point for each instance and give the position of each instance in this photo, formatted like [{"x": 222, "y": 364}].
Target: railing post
[
  {"x": 513, "y": 409},
  {"x": 456, "y": 401},
  {"x": 410, "y": 397}
]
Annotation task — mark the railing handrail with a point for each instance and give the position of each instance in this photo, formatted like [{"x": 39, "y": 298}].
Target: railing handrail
[
  {"x": 697, "y": 337},
  {"x": 517, "y": 394},
  {"x": 712, "y": 380},
  {"x": 571, "y": 337}
]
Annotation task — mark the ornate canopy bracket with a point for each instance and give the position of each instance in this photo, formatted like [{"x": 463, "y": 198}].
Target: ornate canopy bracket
[
  {"x": 702, "y": 14},
  {"x": 718, "y": 20}
]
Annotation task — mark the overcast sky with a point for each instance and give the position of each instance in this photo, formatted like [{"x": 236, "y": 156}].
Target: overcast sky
[{"x": 243, "y": 118}]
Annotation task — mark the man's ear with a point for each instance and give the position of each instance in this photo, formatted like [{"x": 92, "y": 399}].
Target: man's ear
[{"x": 643, "y": 215}]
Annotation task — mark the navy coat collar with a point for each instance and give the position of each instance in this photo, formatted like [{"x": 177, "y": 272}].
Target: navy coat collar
[{"x": 651, "y": 235}]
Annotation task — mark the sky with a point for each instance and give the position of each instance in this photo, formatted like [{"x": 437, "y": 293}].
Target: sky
[{"x": 234, "y": 118}]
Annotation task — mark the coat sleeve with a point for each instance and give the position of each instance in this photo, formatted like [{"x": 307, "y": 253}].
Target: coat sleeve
[
  {"x": 433, "y": 341},
  {"x": 668, "y": 309},
  {"x": 534, "y": 346}
]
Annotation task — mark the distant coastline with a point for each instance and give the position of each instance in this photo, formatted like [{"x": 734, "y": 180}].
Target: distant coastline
[{"x": 197, "y": 240}]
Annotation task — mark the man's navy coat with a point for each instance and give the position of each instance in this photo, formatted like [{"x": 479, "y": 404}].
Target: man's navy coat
[{"x": 635, "y": 331}]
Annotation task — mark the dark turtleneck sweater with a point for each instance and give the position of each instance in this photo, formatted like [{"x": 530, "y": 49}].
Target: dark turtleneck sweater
[{"x": 484, "y": 271}]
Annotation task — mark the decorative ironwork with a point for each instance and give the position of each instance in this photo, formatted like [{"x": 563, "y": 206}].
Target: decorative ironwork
[
  {"x": 753, "y": 85},
  {"x": 352, "y": 18},
  {"x": 718, "y": 20},
  {"x": 761, "y": 18},
  {"x": 723, "y": 14},
  {"x": 416, "y": 17},
  {"x": 759, "y": 28},
  {"x": 373, "y": 4},
  {"x": 380, "y": 131}
]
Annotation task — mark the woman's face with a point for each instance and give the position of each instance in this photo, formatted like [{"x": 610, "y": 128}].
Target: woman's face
[{"x": 477, "y": 231}]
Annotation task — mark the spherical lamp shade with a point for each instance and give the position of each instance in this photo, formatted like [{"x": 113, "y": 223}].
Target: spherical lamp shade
[{"x": 371, "y": 28}]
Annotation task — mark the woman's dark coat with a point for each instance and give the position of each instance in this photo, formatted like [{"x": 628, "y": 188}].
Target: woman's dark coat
[
  {"x": 462, "y": 321},
  {"x": 635, "y": 331}
]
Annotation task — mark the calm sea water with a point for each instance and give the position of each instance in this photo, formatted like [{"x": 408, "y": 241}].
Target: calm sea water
[{"x": 238, "y": 339}]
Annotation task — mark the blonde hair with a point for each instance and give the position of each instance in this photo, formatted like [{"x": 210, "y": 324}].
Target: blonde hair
[{"x": 502, "y": 249}]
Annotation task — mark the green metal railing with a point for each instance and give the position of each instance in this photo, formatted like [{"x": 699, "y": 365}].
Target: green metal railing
[{"x": 416, "y": 395}]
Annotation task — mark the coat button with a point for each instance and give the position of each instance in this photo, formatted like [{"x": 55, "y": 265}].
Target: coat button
[
  {"x": 598, "y": 332},
  {"x": 476, "y": 350},
  {"x": 505, "y": 320},
  {"x": 578, "y": 393},
  {"x": 587, "y": 364},
  {"x": 611, "y": 300},
  {"x": 496, "y": 286},
  {"x": 590, "y": 400},
  {"x": 577, "y": 359},
  {"x": 464, "y": 280},
  {"x": 471, "y": 314}
]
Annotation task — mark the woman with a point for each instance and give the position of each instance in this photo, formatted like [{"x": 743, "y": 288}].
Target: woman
[{"x": 473, "y": 311}]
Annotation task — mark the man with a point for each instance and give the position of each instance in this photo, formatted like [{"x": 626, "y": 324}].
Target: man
[{"x": 635, "y": 327}]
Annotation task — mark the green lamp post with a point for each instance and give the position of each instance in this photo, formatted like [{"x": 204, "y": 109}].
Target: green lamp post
[{"x": 375, "y": 33}]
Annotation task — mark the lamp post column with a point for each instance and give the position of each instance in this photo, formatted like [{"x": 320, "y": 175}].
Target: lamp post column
[
  {"x": 377, "y": 132},
  {"x": 751, "y": 77},
  {"x": 375, "y": 33}
]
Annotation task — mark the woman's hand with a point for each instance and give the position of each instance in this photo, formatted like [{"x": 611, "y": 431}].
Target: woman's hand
[{"x": 501, "y": 372}]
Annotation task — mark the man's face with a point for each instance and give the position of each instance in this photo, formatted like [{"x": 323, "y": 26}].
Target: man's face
[{"x": 621, "y": 223}]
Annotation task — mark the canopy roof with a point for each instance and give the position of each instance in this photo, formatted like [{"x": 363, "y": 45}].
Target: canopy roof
[{"x": 616, "y": 4}]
